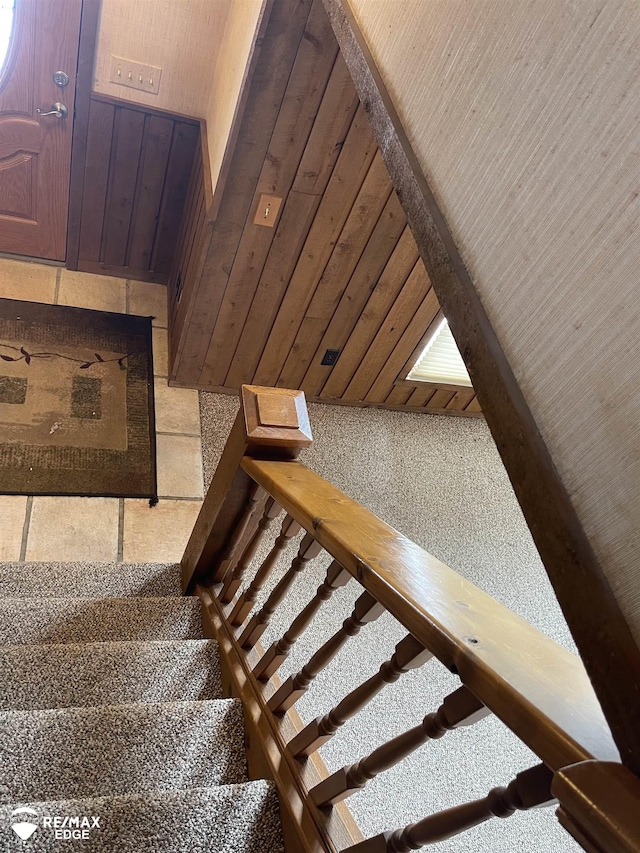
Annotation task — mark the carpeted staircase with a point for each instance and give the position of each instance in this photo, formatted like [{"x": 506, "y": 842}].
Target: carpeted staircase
[{"x": 111, "y": 708}]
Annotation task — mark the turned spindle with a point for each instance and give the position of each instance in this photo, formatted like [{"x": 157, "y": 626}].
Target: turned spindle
[
  {"x": 279, "y": 651},
  {"x": 244, "y": 604},
  {"x": 230, "y": 552},
  {"x": 309, "y": 549},
  {"x": 529, "y": 790},
  {"x": 409, "y": 654},
  {"x": 234, "y": 578},
  {"x": 460, "y": 708},
  {"x": 366, "y": 610}
]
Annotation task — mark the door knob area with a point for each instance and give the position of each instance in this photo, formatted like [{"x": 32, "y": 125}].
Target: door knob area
[{"x": 58, "y": 110}]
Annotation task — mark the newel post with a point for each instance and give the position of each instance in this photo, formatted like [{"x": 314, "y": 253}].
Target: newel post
[{"x": 273, "y": 423}]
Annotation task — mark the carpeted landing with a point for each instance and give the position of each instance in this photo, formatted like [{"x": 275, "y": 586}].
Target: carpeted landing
[{"x": 115, "y": 735}]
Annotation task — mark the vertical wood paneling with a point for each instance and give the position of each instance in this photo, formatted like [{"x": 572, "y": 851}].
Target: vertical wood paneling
[
  {"x": 192, "y": 241},
  {"x": 154, "y": 158},
  {"x": 340, "y": 270},
  {"x": 348, "y": 250},
  {"x": 330, "y": 129},
  {"x": 293, "y": 228},
  {"x": 389, "y": 333},
  {"x": 379, "y": 303},
  {"x": 100, "y": 135},
  {"x": 421, "y": 320},
  {"x": 348, "y": 176},
  {"x": 421, "y": 396},
  {"x": 305, "y": 89},
  {"x": 179, "y": 166},
  {"x": 399, "y": 396},
  {"x": 384, "y": 238},
  {"x": 138, "y": 164},
  {"x": 123, "y": 174},
  {"x": 277, "y": 55}
]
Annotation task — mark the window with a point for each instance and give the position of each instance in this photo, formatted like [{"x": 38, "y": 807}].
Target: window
[
  {"x": 440, "y": 361},
  {"x": 7, "y": 13}
]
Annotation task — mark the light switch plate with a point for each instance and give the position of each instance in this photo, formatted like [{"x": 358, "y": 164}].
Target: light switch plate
[
  {"x": 267, "y": 210},
  {"x": 135, "y": 75}
]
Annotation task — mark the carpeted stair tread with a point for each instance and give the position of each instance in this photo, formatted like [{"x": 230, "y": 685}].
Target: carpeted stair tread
[
  {"x": 86, "y": 580},
  {"x": 75, "y": 753},
  {"x": 75, "y": 620},
  {"x": 226, "y": 819},
  {"x": 113, "y": 673}
]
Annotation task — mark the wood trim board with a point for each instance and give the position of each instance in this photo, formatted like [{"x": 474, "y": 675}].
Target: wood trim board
[{"x": 89, "y": 23}]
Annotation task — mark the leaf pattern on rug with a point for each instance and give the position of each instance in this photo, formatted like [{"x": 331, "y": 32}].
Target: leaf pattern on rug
[{"x": 84, "y": 365}]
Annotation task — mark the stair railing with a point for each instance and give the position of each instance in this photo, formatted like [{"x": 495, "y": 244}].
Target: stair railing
[{"x": 506, "y": 667}]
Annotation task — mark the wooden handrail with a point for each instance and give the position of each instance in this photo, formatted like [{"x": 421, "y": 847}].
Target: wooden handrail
[
  {"x": 536, "y": 687},
  {"x": 599, "y": 806},
  {"x": 506, "y": 666}
]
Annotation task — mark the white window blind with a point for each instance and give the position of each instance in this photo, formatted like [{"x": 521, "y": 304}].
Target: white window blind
[{"x": 440, "y": 361}]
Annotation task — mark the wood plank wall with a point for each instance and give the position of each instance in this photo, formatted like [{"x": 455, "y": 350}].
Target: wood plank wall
[
  {"x": 340, "y": 270},
  {"x": 137, "y": 169}
]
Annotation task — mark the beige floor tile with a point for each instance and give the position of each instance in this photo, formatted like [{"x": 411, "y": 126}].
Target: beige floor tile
[
  {"x": 160, "y": 352},
  {"x": 64, "y": 528},
  {"x": 23, "y": 280},
  {"x": 12, "y": 512},
  {"x": 179, "y": 466},
  {"x": 177, "y": 409},
  {"x": 148, "y": 300},
  {"x": 158, "y": 534},
  {"x": 88, "y": 290}
]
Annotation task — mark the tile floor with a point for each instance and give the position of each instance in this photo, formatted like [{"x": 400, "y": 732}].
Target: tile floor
[{"x": 110, "y": 529}]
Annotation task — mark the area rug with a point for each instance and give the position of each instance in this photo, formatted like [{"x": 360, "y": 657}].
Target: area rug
[{"x": 76, "y": 402}]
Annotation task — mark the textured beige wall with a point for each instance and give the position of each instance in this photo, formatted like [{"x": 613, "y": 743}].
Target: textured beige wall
[
  {"x": 525, "y": 116},
  {"x": 182, "y": 36},
  {"x": 235, "y": 50},
  {"x": 202, "y": 46}
]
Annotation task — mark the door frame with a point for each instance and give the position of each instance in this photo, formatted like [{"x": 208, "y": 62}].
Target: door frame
[{"x": 89, "y": 22}]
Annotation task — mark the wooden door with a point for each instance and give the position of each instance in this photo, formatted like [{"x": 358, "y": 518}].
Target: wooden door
[{"x": 35, "y": 150}]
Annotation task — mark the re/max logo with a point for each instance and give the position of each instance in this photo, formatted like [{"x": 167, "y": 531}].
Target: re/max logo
[
  {"x": 67, "y": 828},
  {"x": 58, "y": 822}
]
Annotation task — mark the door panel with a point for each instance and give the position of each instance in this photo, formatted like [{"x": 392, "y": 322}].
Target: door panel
[{"x": 35, "y": 151}]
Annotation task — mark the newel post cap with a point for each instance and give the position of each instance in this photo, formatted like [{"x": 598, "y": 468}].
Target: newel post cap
[{"x": 275, "y": 417}]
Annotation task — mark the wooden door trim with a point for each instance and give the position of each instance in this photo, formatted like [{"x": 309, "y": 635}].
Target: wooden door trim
[
  {"x": 602, "y": 635},
  {"x": 89, "y": 21}
]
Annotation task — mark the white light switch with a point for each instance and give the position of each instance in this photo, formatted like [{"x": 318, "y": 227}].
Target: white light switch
[{"x": 135, "y": 75}]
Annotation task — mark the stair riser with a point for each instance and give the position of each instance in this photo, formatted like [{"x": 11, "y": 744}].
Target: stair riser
[
  {"x": 65, "y": 620},
  {"x": 87, "y": 752},
  {"x": 71, "y": 675},
  {"x": 229, "y": 819},
  {"x": 88, "y": 580}
]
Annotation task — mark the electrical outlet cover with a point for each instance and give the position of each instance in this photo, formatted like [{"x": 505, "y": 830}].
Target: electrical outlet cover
[{"x": 330, "y": 357}]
